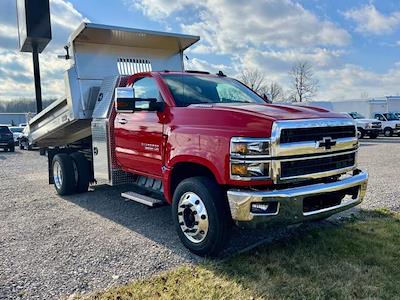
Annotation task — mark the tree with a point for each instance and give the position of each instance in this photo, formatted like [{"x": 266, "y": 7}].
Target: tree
[
  {"x": 304, "y": 85},
  {"x": 274, "y": 92},
  {"x": 254, "y": 79}
]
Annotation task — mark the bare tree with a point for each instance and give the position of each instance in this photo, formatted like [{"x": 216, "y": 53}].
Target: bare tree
[
  {"x": 254, "y": 79},
  {"x": 304, "y": 85},
  {"x": 274, "y": 92}
]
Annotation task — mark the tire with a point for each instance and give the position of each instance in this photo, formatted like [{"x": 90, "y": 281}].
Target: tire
[
  {"x": 21, "y": 147},
  {"x": 388, "y": 131},
  {"x": 12, "y": 149},
  {"x": 373, "y": 135},
  {"x": 212, "y": 204},
  {"x": 360, "y": 133},
  {"x": 63, "y": 174},
  {"x": 42, "y": 151},
  {"x": 82, "y": 170}
]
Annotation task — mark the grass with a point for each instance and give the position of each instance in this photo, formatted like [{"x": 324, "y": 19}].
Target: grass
[{"x": 359, "y": 259}]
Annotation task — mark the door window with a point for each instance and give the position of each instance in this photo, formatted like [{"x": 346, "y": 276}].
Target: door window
[
  {"x": 146, "y": 88},
  {"x": 379, "y": 117}
]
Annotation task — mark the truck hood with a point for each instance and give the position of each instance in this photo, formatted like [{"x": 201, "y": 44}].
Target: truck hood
[
  {"x": 366, "y": 121},
  {"x": 274, "y": 112}
]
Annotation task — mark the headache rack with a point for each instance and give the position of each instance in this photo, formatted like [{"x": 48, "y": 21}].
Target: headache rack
[{"x": 98, "y": 52}]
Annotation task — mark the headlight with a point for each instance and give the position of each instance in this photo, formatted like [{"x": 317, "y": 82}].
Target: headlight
[
  {"x": 251, "y": 147},
  {"x": 249, "y": 169}
]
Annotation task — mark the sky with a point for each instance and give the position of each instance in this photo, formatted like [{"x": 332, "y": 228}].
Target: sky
[{"x": 353, "y": 45}]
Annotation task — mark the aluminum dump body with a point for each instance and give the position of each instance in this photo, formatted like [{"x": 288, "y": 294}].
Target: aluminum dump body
[{"x": 96, "y": 52}]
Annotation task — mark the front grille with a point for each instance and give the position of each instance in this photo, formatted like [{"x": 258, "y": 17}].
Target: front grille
[
  {"x": 316, "y": 165},
  {"x": 292, "y": 135},
  {"x": 397, "y": 125}
]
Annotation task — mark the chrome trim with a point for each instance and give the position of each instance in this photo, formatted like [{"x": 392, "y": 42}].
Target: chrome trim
[
  {"x": 319, "y": 156},
  {"x": 301, "y": 148},
  {"x": 291, "y": 200},
  {"x": 276, "y": 169},
  {"x": 278, "y": 150},
  {"x": 311, "y": 147}
]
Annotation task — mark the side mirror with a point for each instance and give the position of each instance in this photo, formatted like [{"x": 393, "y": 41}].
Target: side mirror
[{"x": 125, "y": 101}]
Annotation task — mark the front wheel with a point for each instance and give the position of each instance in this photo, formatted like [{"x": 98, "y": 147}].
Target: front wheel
[
  {"x": 388, "y": 132},
  {"x": 360, "y": 133},
  {"x": 201, "y": 216}
]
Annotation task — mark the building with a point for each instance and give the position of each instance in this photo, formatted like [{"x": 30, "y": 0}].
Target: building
[{"x": 366, "y": 107}]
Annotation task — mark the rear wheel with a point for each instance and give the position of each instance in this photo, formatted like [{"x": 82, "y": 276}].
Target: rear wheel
[
  {"x": 388, "y": 131},
  {"x": 360, "y": 133},
  {"x": 63, "y": 174},
  {"x": 201, "y": 216},
  {"x": 82, "y": 171}
]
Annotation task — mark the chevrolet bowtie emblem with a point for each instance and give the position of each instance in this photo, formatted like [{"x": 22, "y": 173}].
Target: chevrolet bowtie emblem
[{"x": 326, "y": 142}]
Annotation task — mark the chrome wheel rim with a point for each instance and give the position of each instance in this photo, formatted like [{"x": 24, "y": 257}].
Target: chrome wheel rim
[
  {"x": 193, "y": 217},
  {"x": 57, "y": 174}
]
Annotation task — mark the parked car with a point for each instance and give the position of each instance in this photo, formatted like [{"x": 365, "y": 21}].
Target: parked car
[
  {"x": 390, "y": 123},
  {"x": 24, "y": 142},
  {"x": 6, "y": 139},
  {"x": 397, "y": 114},
  {"x": 17, "y": 132},
  {"x": 366, "y": 127}
]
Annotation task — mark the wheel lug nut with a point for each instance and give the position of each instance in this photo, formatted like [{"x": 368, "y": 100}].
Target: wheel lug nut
[
  {"x": 201, "y": 231},
  {"x": 203, "y": 217},
  {"x": 197, "y": 202},
  {"x": 195, "y": 212},
  {"x": 196, "y": 223}
]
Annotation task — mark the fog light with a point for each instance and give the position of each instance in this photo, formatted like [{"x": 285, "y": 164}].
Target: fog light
[{"x": 264, "y": 208}]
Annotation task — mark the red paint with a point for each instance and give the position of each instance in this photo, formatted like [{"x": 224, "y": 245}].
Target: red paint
[{"x": 201, "y": 135}]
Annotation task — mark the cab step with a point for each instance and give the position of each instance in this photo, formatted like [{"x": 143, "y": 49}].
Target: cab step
[{"x": 146, "y": 200}]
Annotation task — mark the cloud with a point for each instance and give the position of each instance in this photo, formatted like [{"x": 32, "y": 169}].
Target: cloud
[
  {"x": 16, "y": 74},
  {"x": 350, "y": 81},
  {"x": 370, "y": 21}
]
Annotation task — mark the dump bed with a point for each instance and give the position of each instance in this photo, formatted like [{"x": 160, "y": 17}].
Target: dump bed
[{"x": 96, "y": 52}]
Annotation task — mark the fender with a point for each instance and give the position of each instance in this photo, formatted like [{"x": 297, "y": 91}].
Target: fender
[{"x": 200, "y": 160}]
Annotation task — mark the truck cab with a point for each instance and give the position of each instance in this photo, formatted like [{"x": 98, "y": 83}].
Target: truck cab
[
  {"x": 390, "y": 123},
  {"x": 203, "y": 143},
  {"x": 366, "y": 127}
]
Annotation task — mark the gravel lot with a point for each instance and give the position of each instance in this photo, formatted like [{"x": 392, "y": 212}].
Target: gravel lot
[{"x": 53, "y": 246}]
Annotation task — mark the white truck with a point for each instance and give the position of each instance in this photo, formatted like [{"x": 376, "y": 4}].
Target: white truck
[
  {"x": 366, "y": 127},
  {"x": 390, "y": 123}
]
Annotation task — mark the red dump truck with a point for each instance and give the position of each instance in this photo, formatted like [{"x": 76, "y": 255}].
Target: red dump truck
[{"x": 206, "y": 144}]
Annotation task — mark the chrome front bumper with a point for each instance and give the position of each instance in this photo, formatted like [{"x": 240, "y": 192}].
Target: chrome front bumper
[{"x": 289, "y": 202}]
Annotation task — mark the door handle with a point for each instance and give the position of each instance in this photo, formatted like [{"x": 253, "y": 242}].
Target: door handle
[{"x": 122, "y": 121}]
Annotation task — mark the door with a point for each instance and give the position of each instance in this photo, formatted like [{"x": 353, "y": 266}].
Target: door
[
  {"x": 380, "y": 117},
  {"x": 138, "y": 135}
]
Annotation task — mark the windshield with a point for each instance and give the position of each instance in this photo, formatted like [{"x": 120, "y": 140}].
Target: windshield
[
  {"x": 4, "y": 129},
  {"x": 390, "y": 116},
  {"x": 356, "y": 115},
  {"x": 192, "y": 89},
  {"x": 16, "y": 129}
]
